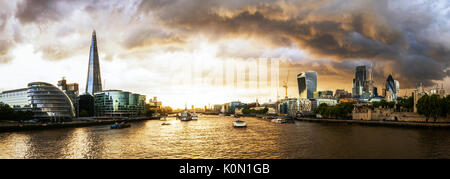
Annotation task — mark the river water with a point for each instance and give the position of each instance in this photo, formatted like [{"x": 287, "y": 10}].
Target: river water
[{"x": 214, "y": 137}]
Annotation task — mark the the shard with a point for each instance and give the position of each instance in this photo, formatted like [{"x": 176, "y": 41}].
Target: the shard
[{"x": 94, "y": 80}]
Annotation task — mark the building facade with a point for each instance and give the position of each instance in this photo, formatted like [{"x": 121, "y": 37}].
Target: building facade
[
  {"x": 118, "y": 103},
  {"x": 46, "y": 101},
  {"x": 289, "y": 106},
  {"x": 236, "y": 105},
  {"x": 85, "y": 106},
  {"x": 391, "y": 89},
  {"x": 307, "y": 84},
  {"x": 359, "y": 81},
  {"x": 323, "y": 94}
]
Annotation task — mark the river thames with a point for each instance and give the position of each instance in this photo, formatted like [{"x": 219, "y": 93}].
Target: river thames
[{"x": 214, "y": 137}]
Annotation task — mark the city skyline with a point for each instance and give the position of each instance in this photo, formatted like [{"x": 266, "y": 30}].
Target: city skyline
[{"x": 142, "y": 52}]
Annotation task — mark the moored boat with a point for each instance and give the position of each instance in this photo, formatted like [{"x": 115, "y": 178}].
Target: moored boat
[
  {"x": 279, "y": 120},
  {"x": 283, "y": 120},
  {"x": 185, "y": 116}
]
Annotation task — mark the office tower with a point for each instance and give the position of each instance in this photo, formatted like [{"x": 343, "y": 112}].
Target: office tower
[
  {"x": 307, "y": 84},
  {"x": 375, "y": 91},
  {"x": 341, "y": 93},
  {"x": 391, "y": 89},
  {"x": 94, "y": 81},
  {"x": 359, "y": 81}
]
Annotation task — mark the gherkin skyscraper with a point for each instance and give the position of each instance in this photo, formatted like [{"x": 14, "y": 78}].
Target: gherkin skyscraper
[{"x": 94, "y": 80}]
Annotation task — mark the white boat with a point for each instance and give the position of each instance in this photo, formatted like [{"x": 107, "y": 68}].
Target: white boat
[
  {"x": 194, "y": 116},
  {"x": 239, "y": 123},
  {"x": 279, "y": 120}
]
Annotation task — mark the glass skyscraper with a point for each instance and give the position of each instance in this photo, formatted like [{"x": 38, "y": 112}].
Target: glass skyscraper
[
  {"x": 307, "y": 84},
  {"x": 94, "y": 80},
  {"x": 359, "y": 81},
  {"x": 391, "y": 89}
]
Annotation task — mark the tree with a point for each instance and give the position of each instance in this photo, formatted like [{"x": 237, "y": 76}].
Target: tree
[
  {"x": 409, "y": 103},
  {"x": 447, "y": 104},
  {"x": 322, "y": 110},
  {"x": 431, "y": 106},
  {"x": 23, "y": 115},
  {"x": 376, "y": 104},
  {"x": 6, "y": 112}
]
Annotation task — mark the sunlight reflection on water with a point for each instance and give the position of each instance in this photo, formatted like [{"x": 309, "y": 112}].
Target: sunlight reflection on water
[{"x": 214, "y": 137}]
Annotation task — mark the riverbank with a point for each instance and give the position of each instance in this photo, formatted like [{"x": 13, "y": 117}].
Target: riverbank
[
  {"x": 15, "y": 126},
  {"x": 380, "y": 123}
]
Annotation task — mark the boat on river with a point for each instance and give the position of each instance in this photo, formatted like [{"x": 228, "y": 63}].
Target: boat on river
[
  {"x": 120, "y": 125},
  {"x": 185, "y": 116},
  {"x": 283, "y": 120},
  {"x": 194, "y": 116},
  {"x": 239, "y": 123},
  {"x": 279, "y": 121}
]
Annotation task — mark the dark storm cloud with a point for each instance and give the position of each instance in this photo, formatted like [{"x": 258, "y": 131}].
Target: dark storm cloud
[
  {"x": 41, "y": 11},
  {"x": 399, "y": 36},
  {"x": 380, "y": 31}
]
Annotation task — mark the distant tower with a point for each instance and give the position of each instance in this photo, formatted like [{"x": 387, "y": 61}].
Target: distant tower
[
  {"x": 307, "y": 84},
  {"x": 94, "y": 81},
  {"x": 359, "y": 82},
  {"x": 391, "y": 89}
]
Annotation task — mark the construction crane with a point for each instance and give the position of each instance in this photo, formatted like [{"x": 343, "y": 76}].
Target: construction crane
[{"x": 285, "y": 84}]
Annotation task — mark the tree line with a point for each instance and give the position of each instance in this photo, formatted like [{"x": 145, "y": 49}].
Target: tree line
[
  {"x": 341, "y": 110},
  {"x": 9, "y": 114},
  {"x": 402, "y": 104},
  {"x": 433, "y": 106}
]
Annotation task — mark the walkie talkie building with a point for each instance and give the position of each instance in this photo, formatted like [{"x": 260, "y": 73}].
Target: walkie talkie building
[{"x": 307, "y": 84}]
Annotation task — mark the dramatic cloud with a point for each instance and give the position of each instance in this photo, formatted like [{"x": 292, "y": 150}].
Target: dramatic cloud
[
  {"x": 409, "y": 39},
  {"x": 385, "y": 32}
]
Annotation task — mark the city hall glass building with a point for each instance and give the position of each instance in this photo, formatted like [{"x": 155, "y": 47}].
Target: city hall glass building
[
  {"x": 118, "y": 103},
  {"x": 46, "y": 101},
  {"x": 307, "y": 84}
]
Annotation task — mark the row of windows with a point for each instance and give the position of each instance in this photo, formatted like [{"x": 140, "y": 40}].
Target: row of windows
[
  {"x": 12, "y": 94},
  {"x": 49, "y": 101}
]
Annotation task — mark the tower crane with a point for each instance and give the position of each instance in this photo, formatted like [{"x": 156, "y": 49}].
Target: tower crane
[{"x": 285, "y": 84}]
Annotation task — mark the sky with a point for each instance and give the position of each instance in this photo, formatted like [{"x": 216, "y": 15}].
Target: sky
[{"x": 196, "y": 52}]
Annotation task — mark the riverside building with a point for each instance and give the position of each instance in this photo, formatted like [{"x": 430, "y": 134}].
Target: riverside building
[
  {"x": 118, "y": 103},
  {"x": 46, "y": 101}
]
